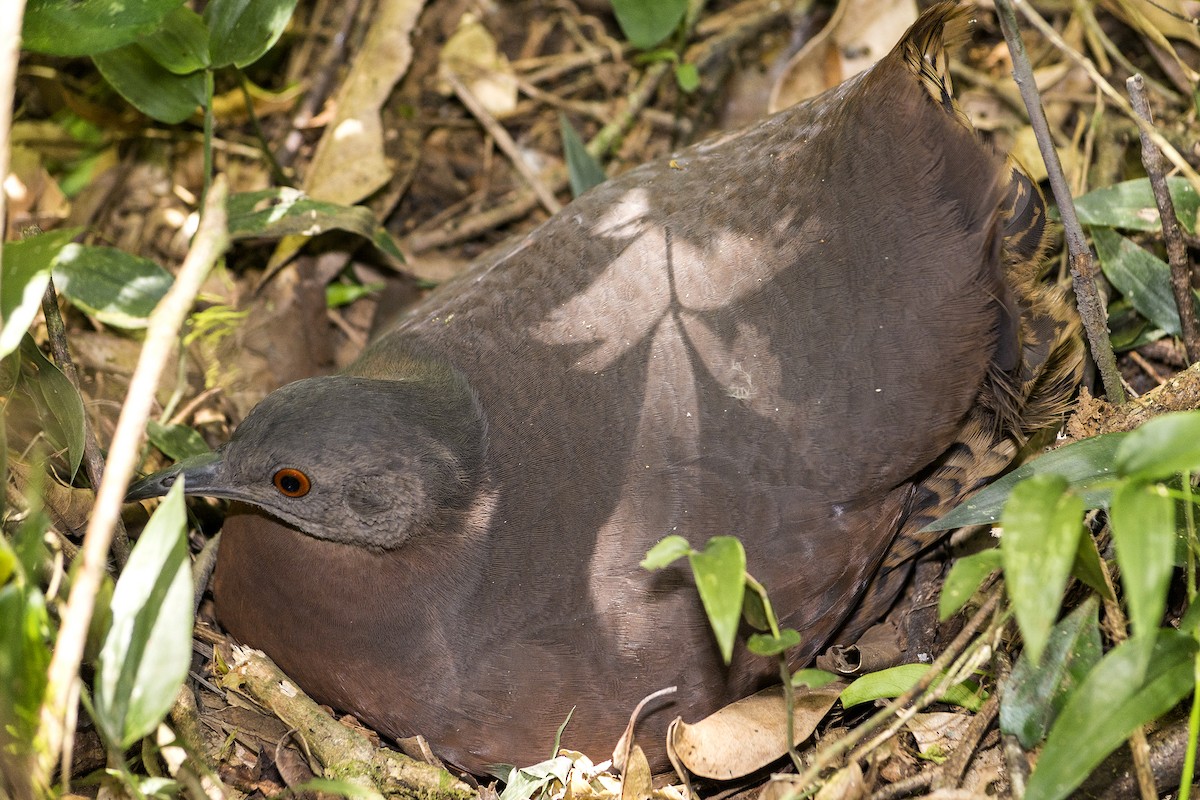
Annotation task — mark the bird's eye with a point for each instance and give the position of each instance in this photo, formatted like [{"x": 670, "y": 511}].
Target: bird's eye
[{"x": 292, "y": 482}]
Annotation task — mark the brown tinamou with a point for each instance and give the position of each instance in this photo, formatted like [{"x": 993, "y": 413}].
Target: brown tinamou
[{"x": 816, "y": 334}]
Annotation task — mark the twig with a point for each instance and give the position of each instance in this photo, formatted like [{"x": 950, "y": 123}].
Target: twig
[
  {"x": 1181, "y": 271},
  {"x": 504, "y": 141},
  {"x": 1083, "y": 266},
  {"x": 63, "y": 686},
  {"x": 93, "y": 462}
]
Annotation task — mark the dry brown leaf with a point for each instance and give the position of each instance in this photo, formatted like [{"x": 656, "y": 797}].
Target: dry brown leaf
[
  {"x": 859, "y": 34},
  {"x": 472, "y": 55},
  {"x": 749, "y": 734},
  {"x": 636, "y": 780},
  {"x": 938, "y": 733},
  {"x": 846, "y": 784}
]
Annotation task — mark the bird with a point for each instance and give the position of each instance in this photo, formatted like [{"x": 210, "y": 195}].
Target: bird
[{"x": 817, "y": 334}]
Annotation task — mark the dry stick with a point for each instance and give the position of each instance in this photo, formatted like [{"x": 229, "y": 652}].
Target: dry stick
[
  {"x": 1083, "y": 266},
  {"x": 1181, "y": 271},
  {"x": 504, "y": 141},
  {"x": 93, "y": 462},
  {"x": 836, "y": 750},
  {"x": 63, "y": 687}
]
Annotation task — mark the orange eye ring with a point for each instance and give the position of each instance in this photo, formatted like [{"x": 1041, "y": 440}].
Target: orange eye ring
[{"x": 291, "y": 482}]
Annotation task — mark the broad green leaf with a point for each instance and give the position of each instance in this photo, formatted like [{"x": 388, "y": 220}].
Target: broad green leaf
[
  {"x": 1143, "y": 279},
  {"x": 754, "y": 611},
  {"x": 720, "y": 572},
  {"x": 177, "y": 442},
  {"x": 180, "y": 44},
  {"x": 584, "y": 171},
  {"x": 812, "y": 678},
  {"x": 1130, "y": 205},
  {"x": 1107, "y": 707},
  {"x": 895, "y": 681},
  {"x": 150, "y": 87},
  {"x": 1042, "y": 525},
  {"x": 1082, "y": 463},
  {"x": 645, "y": 23},
  {"x": 666, "y": 552},
  {"x": 87, "y": 27},
  {"x": 1161, "y": 448},
  {"x": 1036, "y": 693},
  {"x": 27, "y": 265},
  {"x": 964, "y": 579},
  {"x": 54, "y": 393},
  {"x": 240, "y": 31},
  {"x": 148, "y": 649},
  {"x": 1087, "y": 568},
  {"x": 762, "y": 644},
  {"x": 114, "y": 287},
  {"x": 274, "y": 213},
  {"x": 25, "y": 635},
  {"x": 1142, "y": 519}
]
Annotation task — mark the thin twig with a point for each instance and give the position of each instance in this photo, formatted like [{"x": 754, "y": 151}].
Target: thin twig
[
  {"x": 1083, "y": 265},
  {"x": 1181, "y": 271},
  {"x": 93, "y": 461},
  {"x": 63, "y": 686}
]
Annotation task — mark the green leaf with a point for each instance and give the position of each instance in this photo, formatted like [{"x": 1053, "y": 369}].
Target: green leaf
[
  {"x": 895, "y": 681},
  {"x": 645, "y": 23},
  {"x": 240, "y": 31},
  {"x": 150, "y": 87},
  {"x": 114, "y": 287},
  {"x": 762, "y": 644},
  {"x": 177, "y": 442},
  {"x": 529, "y": 782},
  {"x": 1131, "y": 205},
  {"x": 27, "y": 265},
  {"x": 1143, "y": 279},
  {"x": 812, "y": 678},
  {"x": 964, "y": 579},
  {"x": 585, "y": 171},
  {"x": 25, "y": 636},
  {"x": 1142, "y": 519},
  {"x": 1087, "y": 568},
  {"x": 148, "y": 649},
  {"x": 666, "y": 552},
  {"x": 1107, "y": 707},
  {"x": 57, "y": 395},
  {"x": 754, "y": 611},
  {"x": 1161, "y": 448},
  {"x": 1082, "y": 463},
  {"x": 343, "y": 294},
  {"x": 87, "y": 27},
  {"x": 1036, "y": 693},
  {"x": 274, "y": 213},
  {"x": 180, "y": 45},
  {"x": 1042, "y": 525},
  {"x": 687, "y": 77},
  {"x": 720, "y": 572}
]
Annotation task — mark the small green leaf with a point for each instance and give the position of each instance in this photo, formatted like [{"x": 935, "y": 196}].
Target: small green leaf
[
  {"x": 1082, "y": 463},
  {"x": 720, "y": 572},
  {"x": 181, "y": 43},
  {"x": 1042, "y": 525},
  {"x": 1107, "y": 707},
  {"x": 666, "y": 552},
  {"x": 57, "y": 395},
  {"x": 762, "y": 644},
  {"x": 687, "y": 77},
  {"x": 86, "y": 27},
  {"x": 177, "y": 442},
  {"x": 1142, "y": 519},
  {"x": 27, "y": 265},
  {"x": 114, "y": 287},
  {"x": 240, "y": 32},
  {"x": 274, "y": 213},
  {"x": 1161, "y": 448},
  {"x": 148, "y": 649},
  {"x": 645, "y": 23},
  {"x": 964, "y": 579},
  {"x": 584, "y": 171},
  {"x": 1143, "y": 279},
  {"x": 812, "y": 678},
  {"x": 1130, "y": 205},
  {"x": 25, "y": 637},
  {"x": 895, "y": 681},
  {"x": 1087, "y": 568},
  {"x": 1036, "y": 693},
  {"x": 754, "y": 611},
  {"x": 343, "y": 294},
  {"x": 150, "y": 87}
]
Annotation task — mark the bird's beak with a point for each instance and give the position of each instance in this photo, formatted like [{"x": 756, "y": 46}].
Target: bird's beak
[{"x": 201, "y": 473}]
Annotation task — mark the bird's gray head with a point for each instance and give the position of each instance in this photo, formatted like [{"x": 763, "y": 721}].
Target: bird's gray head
[{"x": 354, "y": 460}]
